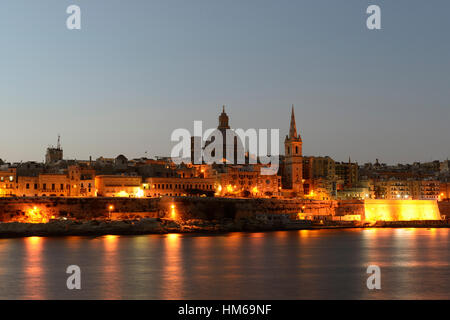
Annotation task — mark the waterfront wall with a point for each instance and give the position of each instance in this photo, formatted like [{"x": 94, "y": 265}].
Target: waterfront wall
[
  {"x": 444, "y": 208},
  {"x": 79, "y": 208},
  {"x": 184, "y": 208}
]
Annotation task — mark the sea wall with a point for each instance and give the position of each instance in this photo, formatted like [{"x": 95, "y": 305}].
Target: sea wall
[
  {"x": 184, "y": 208},
  {"x": 78, "y": 208},
  {"x": 444, "y": 208},
  {"x": 220, "y": 208}
]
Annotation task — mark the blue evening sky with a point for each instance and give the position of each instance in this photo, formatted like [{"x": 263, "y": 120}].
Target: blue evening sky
[{"x": 138, "y": 69}]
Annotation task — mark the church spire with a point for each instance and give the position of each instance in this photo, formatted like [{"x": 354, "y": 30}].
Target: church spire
[
  {"x": 293, "y": 128},
  {"x": 223, "y": 120}
]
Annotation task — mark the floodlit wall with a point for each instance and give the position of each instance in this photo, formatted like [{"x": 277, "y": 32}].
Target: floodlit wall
[{"x": 401, "y": 210}]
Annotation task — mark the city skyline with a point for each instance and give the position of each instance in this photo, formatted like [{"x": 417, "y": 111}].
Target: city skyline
[
  {"x": 134, "y": 73},
  {"x": 146, "y": 154}
]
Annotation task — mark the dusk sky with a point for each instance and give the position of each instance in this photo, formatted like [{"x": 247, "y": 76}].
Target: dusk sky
[{"x": 139, "y": 69}]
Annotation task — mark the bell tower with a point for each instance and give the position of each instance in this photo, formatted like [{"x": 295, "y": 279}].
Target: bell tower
[{"x": 293, "y": 174}]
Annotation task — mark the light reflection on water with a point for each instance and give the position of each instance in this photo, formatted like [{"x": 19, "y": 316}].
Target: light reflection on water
[{"x": 306, "y": 264}]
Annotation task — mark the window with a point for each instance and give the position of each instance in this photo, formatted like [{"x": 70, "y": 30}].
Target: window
[
  {"x": 28, "y": 186},
  {"x": 44, "y": 186}
]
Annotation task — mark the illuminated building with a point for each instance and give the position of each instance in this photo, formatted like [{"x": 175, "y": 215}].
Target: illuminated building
[
  {"x": 118, "y": 186},
  {"x": 293, "y": 160},
  {"x": 319, "y": 176},
  {"x": 397, "y": 189},
  {"x": 174, "y": 186},
  {"x": 8, "y": 182},
  {"x": 348, "y": 173},
  {"x": 77, "y": 181},
  {"x": 444, "y": 190},
  {"x": 246, "y": 181}
]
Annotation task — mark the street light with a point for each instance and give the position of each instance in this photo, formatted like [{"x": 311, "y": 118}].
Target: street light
[{"x": 110, "y": 208}]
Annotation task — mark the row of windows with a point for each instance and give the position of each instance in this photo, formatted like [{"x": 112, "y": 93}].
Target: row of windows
[
  {"x": 182, "y": 186},
  {"x": 61, "y": 186}
]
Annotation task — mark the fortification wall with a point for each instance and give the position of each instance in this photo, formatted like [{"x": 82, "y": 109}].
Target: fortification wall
[
  {"x": 80, "y": 208},
  {"x": 184, "y": 207},
  {"x": 444, "y": 208}
]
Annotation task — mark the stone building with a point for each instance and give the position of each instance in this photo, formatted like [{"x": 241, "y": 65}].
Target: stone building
[
  {"x": 119, "y": 186},
  {"x": 398, "y": 189},
  {"x": 319, "y": 177},
  {"x": 8, "y": 182},
  {"x": 54, "y": 154},
  {"x": 246, "y": 181},
  {"x": 76, "y": 181},
  {"x": 444, "y": 190},
  {"x": 231, "y": 148},
  {"x": 347, "y": 173},
  {"x": 177, "y": 187},
  {"x": 82, "y": 181},
  {"x": 293, "y": 160}
]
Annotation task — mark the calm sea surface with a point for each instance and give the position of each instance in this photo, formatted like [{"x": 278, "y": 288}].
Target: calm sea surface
[{"x": 319, "y": 264}]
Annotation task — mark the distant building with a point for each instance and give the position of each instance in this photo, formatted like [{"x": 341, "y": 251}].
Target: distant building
[
  {"x": 444, "y": 190},
  {"x": 176, "y": 187},
  {"x": 319, "y": 176},
  {"x": 54, "y": 154},
  {"x": 246, "y": 181},
  {"x": 76, "y": 181},
  {"x": 397, "y": 189},
  {"x": 348, "y": 173},
  {"x": 232, "y": 148},
  {"x": 8, "y": 182},
  {"x": 119, "y": 186},
  {"x": 121, "y": 162}
]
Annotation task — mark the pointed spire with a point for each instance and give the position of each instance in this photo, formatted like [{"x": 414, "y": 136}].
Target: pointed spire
[
  {"x": 223, "y": 120},
  {"x": 293, "y": 128}
]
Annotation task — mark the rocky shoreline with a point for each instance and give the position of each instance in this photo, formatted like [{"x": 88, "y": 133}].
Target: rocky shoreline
[
  {"x": 130, "y": 227},
  {"x": 164, "y": 226}
]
